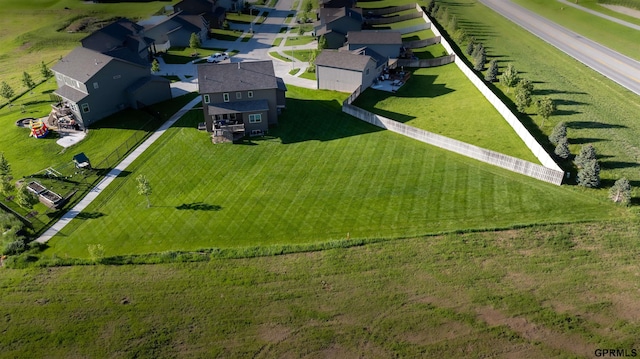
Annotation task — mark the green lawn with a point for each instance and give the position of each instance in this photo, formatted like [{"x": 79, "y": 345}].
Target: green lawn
[
  {"x": 225, "y": 35},
  {"x": 418, "y": 35},
  {"x": 541, "y": 292},
  {"x": 279, "y": 57},
  {"x": 598, "y": 6},
  {"x": 183, "y": 55},
  {"x": 399, "y": 25},
  {"x": 308, "y": 75},
  {"x": 265, "y": 194},
  {"x": 299, "y": 40},
  {"x": 234, "y": 17},
  {"x": 35, "y": 31},
  {"x": 595, "y": 109},
  {"x": 430, "y": 52},
  {"x": 442, "y": 100},
  {"x": 300, "y": 55},
  {"x": 276, "y": 42}
]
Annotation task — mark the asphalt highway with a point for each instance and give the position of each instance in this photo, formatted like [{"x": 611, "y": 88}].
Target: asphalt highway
[{"x": 617, "y": 67}]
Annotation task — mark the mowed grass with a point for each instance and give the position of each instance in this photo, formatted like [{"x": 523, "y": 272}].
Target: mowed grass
[
  {"x": 596, "y": 110},
  {"x": 442, "y": 100},
  {"x": 613, "y": 35},
  {"x": 600, "y": 6},
  {"x": 321, "y": 175},
  {"x": 34, "y": 31},
  {"x": 550, "y": 291}
]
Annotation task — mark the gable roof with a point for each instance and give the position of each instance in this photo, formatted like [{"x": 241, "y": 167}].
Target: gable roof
[
  {"x": 374, "y": 37},
  {"x": 379, "y": 59},
  {"x": 194, "y": 7},
  {"x": 342, "y": 60},
  {"x": 239, "y": 76},
  {"x": 121, "y": 34},
  {"x": 328, "y": 15},
  {"x": 81, "y": 64}
]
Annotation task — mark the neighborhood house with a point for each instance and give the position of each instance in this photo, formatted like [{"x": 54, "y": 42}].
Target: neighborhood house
[
  {"x": 108, "y": 73},
  {"x": 240, "y": 99}
]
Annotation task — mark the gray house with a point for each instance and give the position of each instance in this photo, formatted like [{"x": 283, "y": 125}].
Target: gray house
[
  {"x": 122, "y": 39},
  {"x": 334, "y": 24},
  {"x": 240, "y": 98},
  {"x": 385, "y": 43},
  {"x": 93, "y": 85},
  {"x": 176, "y": 30},
  {"x": 212, "y": 13},
  {"x": 344, "y": 71}
]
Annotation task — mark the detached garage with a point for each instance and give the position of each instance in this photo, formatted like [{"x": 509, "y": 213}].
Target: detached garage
[{"x": 344, "y": 71}]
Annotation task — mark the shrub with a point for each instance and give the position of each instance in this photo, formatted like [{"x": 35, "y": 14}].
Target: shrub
[
  {"x": 587, "y": 153},
  {"x": 589, "y": 175},
  {"x": 621, "y": 191},
  {"x": 558, "y": 132}
]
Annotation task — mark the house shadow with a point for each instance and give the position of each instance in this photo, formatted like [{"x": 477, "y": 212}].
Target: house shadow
[
  {"x": 317, "y": 120},
  {"x": 199, "y": 206},
  {"x": 422, "y": 86}
]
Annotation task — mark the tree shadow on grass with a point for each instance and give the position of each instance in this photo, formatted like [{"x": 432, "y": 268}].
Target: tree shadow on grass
[
  {"x": 610, "y": 165},
  {"x": 588, "y": 124},
  {"x": 199, "y": 206},
  {"x": 89, "y": 215},
  {"x": 585, "y": 140}
]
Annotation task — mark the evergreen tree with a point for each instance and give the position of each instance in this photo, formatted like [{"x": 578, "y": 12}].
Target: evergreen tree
[
  {"x": 479, "y": 57},
  {"x": 509, "y": 77},
  {"x": 524, "y": 89},
  {"x": 589, "y": 175},
  {"x": 194, "y": 42},
  {"x": 492, "y": 73},
  {"x": 470, "y": 47},
  {"x": 434, "y": 10},
  {"x": 45, "y": 71},
  {"x": 558, "y": 132},
  {"x": 587, "y": 153},
  {"x": 155, "y": 66},
  {"x": 27, "y": 81},
  {"x": 5, "y": 167},
  {"x": 453, "y": 24},
  {"x": 322, "y": 43},
  {"x": 6, "y": 91},
  {"x": 429, "y": 8},
  {"x": 621, "y": 191},
  {"x": 562, "y": 148}
]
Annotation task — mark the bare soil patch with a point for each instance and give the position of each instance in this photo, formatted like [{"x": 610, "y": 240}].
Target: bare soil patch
[{"x": 537, "y": 333}]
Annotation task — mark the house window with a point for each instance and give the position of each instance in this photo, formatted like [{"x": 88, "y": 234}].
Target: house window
[
  {"x": 95, "y": 85},
  {"x": 206, "y": 99},
  {"x": 74, "y": 107},
  {"x": 225, "y": 97},
  {"x": 366, "y": 72},
  {"x": 85, "y": 107},
  {"x": 255, "y": 118},
  {"x": 250, "y": 94},
  {"x": 238, "y": 95}
]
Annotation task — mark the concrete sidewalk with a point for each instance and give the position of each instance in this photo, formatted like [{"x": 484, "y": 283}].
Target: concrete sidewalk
[{"x": 93, "y": 194}]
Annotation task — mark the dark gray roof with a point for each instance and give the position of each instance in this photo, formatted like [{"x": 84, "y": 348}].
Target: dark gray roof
[
  {"x": 119, "y": 35},
  {"x": 374, "y": 37},
  {"x": 140, "y": 83},
  {"x": 239, "y": 76},
  {"x": 70, "y": 93},
  {"x": 379, "y": 59},
  {"x": 331, "y": 14},
  {"x": 342, "y": 60},
  {"x": 281, "y": 85},
  {"x": 81, "y": 64},
  {"x": 238, "y": 106}
]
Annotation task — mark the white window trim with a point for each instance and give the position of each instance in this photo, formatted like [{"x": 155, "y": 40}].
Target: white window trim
[
  {"x": 238, "y": 95},
  {"x": 85, "y": 108},
  {"x": 255, "y": 118},
  {"x": 250, "y": 94},
  {"x": 225, "y": 97},
  {"x": 207, "y": 99},
  {"x": 95, "y": 86}
]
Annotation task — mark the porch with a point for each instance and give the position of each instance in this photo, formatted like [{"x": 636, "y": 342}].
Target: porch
[{"x": 62, "y": 117}]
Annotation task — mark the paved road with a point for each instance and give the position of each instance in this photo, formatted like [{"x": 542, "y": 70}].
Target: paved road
[
  {"x": 604, "y": 16},
  {"x": 615, "y": 66}
]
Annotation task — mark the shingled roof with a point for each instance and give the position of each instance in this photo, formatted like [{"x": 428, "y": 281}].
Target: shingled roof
[
  {"x": 342, "y": 60},
  {"x": 239, "y": 76},
  {"x": 374, "y": 37},
  {"x": 82, "y": 63}
]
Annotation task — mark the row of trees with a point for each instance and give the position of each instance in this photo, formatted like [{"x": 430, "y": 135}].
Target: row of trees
[
  {"x": 7, "y": 91},
  {"x": 586, "y": 161}
]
